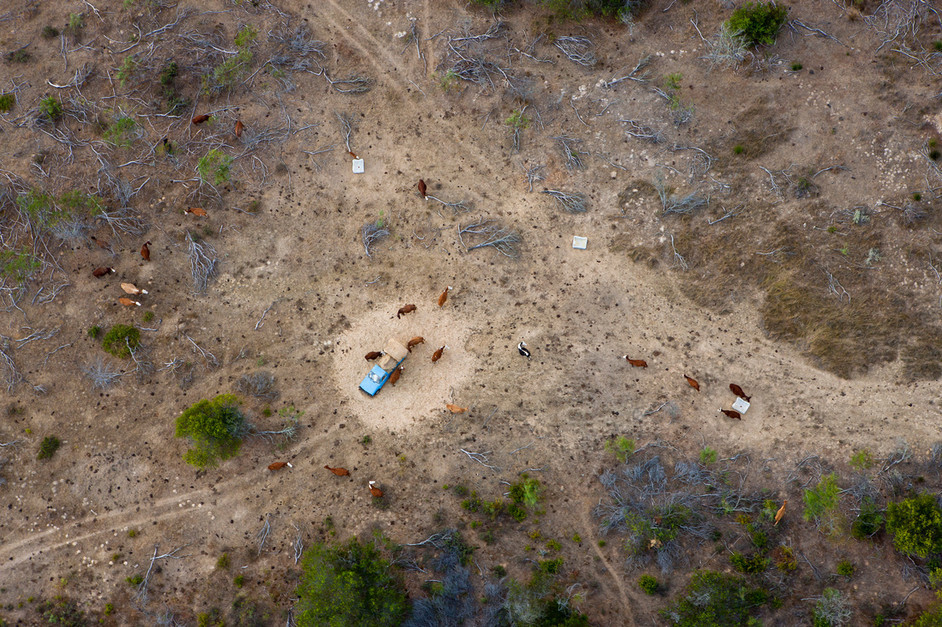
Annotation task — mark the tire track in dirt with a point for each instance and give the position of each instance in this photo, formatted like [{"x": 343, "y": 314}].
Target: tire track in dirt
[
  {"x": 378, "y": 49},
  {"x": 588, "y": 529},
  {"x": 372, "y": 49},
  {"x": 430, "y": 49},
  {"x": 53, "y": 539}
]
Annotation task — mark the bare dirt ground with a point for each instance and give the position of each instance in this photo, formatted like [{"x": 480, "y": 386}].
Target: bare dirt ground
[{"x": 299, "y": 260}]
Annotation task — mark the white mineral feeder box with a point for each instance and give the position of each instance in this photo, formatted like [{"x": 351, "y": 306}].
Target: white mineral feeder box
[
  {"x": 579, "y": 242},
  {"x": 740, "y": 405},
  {"x": 358, "y": 166}
]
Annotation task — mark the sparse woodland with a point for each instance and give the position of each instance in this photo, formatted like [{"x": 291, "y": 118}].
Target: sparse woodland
[{"x": 191, "y": 273}]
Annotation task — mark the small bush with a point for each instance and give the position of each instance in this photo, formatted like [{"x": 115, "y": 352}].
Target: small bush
[
  {"x": 785, "y": 559},
  {"x": 122, "y": 132},
  {"x": 526, "y": 492},
  {"x": 127, "y": 69},
  {"x": 621, "y": 447},
  {"x": 62, "y": 611},
  {"x": 845, "y": 569},
  {"x": 148, "y": 316},
  {"x": 862, "y": 460},
  {"x": 19, "y": 56},
  {"x": 169, "y": 73},
  {"x": 50, "y": 32},
  {"x": 517, "y": 119},
  {"x": 759, "y": 22},
  {"x": 223, "y": 562},
  {"x": 120, "y": 340},
  {"x": 916, "y": 525},
  {"x": 51, "y": 108},
  {"x": 214, "y": 167},
  {"x": 48, "y": 447},
  {"x": 214, "y": 428},
  {"x": 738, "y": 149},
  {"x": 754, "y": 564},
  {"x": 7, "y": 101},
  {"x": 708, "y": 456},
  {"x": 796, "y": 67},
  {"x": 868, "y": 522},
  {"x": 648, "y": 584},
  {"x": 821, "y": 500},
  {"x": 132, "y": 533},
  {"x": 135, "y": 580},
  {"x": 238, "y": 581}
]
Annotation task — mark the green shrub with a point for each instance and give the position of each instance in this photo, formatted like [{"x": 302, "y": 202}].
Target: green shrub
[
  {"x": 648, "y": 584},
  {"x": 223, "y": 562},
  {"x": 127, "y": 69},
  {"x": 754, "y": 564},
  {"x": 19, "y": 56},
  {"x": 845, "y": 568},
  {"x": 821, "y": 501},
  {"x": 51, "y": 108},
  {"x": 758, "y": 22},
  {"x": 621, "y": 447},
  {"x": 18, "y": 266},
  {"x": 238, "y": 581},
  {"x": 715, "y": 599},
  {"x": 551, "y": 567},
  {"x": 214, "y": 428},
  {"x": 50, "y": 32},
  {"x": 796, "y": 66},
  {"x": 214, "y": 166},
  {"x": 246, "y": 36},
  {"x": 916, "y": 525},
  {"x": 7, "y": 101},
  {"x": 708, "y": 456},
  {"x": 122, "y": 132},
  {"x": 517, "y": 512},
  {"x": 862, "y": 460},
  {"x": 169, "y": 73},
  {"x": 135, "y": 580},
  {"x": 517, "y": 119},
  {"x": 120, "y": 340},
  {"x": 349, "y": 585},
  {"x": 526, "y": 492},
  {"x": 109, "y": 609},
  {"x": 48, "y": 447},
  {"x": 62, "y": 611}
]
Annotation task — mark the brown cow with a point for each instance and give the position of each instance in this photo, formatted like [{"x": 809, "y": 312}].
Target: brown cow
[
  {"x": 443, "y": 297},
  {"x": 279, "y": 465},
  {"x": 456, "y": 409},
  {"x": 438, "y": 354},
  {"x": 423, "y": 189},
  {"x": 735, "y": 389},
  {"x": 692, "y": 383},
  {"x": 100, "y": 272},
  {"x": 394, "y": 376},
  {"x": 735, "y": 415},
  {"x": 414, "y": 342},
  {"x": 780, "y": 513},
  {"x": 130, "y": 288},
  {"x": 405, "y": 309},
  {"x": 127, "y": 302},
  {"x": 637, "y": 363},
  {"x": 376, "y": 492},
  {"x": 239, "y": 127},
  {"x": 200, "y": 118},
  {"x": 340, "y": 472},
  {"x": 370, "y": 356},
  {"x": 197, "y": 211},
  {"x": 145, "y": 251}
]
